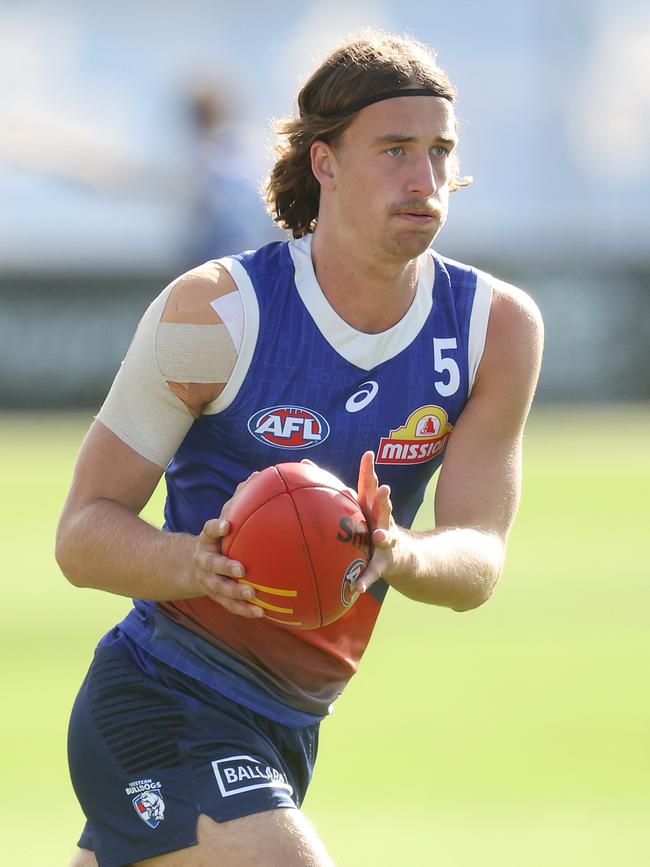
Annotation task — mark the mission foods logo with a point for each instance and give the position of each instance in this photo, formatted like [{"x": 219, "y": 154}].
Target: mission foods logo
[
  {"x": 289, "y": 427},
  {"x": 421, "y": 439}
]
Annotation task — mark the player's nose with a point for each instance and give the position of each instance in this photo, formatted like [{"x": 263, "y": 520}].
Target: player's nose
[{"x": 422, "y": 179}]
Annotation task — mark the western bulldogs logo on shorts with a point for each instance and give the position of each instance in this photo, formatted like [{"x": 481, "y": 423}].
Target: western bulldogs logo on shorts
[{"x": 148, "y": 803}]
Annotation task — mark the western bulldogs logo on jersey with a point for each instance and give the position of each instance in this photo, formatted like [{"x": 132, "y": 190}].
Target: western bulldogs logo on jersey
[
  {"x": 148, "y": 802},
  {"x": 289, "y": 427}
]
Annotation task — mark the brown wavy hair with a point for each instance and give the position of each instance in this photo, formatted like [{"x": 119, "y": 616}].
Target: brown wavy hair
[{"x": 366, "y": 65}]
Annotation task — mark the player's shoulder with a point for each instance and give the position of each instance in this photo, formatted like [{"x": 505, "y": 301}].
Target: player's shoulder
[
  {"x": 191, "y": 295},
  {"x": 270, "y": 258},
  {"x": 505, "y": 292},
  {"x": 458, "y": 273},
  {"x": 514, "y": 341},
  {"x": 513, "y": 309}
]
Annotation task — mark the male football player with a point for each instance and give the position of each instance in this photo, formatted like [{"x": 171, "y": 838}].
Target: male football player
[{"x": 194, "y": 734}]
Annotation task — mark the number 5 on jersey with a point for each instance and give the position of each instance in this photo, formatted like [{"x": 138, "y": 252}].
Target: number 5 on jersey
[{"x": 445, "y": 365}]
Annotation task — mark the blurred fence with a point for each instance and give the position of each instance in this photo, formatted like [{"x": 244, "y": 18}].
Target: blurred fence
[{"x": 63, "y": 335}]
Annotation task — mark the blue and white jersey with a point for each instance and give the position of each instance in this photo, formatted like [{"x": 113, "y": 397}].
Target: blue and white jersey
[{"x": 307, "y": 384}]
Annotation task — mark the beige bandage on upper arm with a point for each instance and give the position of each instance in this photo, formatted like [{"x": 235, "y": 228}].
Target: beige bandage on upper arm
[
  {"x": 179, "y": 360},
  {"x": 195, "y": 353}
]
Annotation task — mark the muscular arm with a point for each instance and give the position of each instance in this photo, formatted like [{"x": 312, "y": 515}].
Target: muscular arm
[
  {"x": 458, "y": 564},
  {"x": 102, "y": 543},
  {"x": 101, "y": 540}
]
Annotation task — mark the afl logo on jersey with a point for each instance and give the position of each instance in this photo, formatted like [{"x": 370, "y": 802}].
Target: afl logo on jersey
[{"x": 289, "y": 427}]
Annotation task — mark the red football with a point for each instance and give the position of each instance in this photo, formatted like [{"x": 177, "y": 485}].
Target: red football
[{"x": 303, "y": 540}]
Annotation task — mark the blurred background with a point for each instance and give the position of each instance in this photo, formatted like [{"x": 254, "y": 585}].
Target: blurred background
[{"x": 133, "y": 140}]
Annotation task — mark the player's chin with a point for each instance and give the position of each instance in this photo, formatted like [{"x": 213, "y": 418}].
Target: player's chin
[
  {"x": 418, "y": 235},
  {"x": 411, "y": 244}
]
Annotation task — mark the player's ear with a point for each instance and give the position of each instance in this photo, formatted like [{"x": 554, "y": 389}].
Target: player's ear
[{"x": 323, "y": 163}]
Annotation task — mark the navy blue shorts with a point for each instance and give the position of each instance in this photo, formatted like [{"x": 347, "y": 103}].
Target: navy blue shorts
[{"x": 150, "y": 749}]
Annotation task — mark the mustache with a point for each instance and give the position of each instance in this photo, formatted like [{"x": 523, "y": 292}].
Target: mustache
[{"x": 417, "y": 206}]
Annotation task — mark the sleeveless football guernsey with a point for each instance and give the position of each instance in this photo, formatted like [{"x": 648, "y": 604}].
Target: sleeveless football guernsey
[{"x": 306, "y": 384}]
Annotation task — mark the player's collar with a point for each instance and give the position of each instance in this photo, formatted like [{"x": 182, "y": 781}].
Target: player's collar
[{"x": 363, "y": 350}]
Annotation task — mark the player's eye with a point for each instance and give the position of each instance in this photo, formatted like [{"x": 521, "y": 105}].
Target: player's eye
[
  {"x": 439, "y": 151},
  {"x": 395, "y": 151}
]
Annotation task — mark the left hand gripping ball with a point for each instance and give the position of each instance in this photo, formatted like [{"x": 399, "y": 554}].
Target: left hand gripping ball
[{"x": 303, "y": 540}]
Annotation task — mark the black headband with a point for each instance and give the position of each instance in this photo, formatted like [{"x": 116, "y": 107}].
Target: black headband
[{"x": 379, "y": 97}]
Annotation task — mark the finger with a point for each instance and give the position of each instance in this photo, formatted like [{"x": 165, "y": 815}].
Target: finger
[
  {"x": 227, "y": 505},
  {"x": 373, "y": 467},
  {"x": 246, "y": 481},
  {"x": 220, "y": 587},
  {"x": 241, "y": 609},
  {"x": 307, "y": 461},
  {"x": 237, "y": 490},
  {"x": 382, "y": 538},
  {"x": 367, "y": 482},
  {"x": 216, "y": 528},
  {"x": 217, "y": 564},
  {"x": 366, "y": 469},
  {"x": 234, "y": 596},
  {"x": 382, "y": 508},
  {"x": 368, "y": 577}
]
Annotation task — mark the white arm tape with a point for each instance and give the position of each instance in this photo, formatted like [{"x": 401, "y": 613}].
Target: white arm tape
[
  {"x": 140, "y": 407},
  {"x": 194, "y": 353}
]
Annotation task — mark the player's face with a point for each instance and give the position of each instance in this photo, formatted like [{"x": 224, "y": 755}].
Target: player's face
[{"x": 393, "y": 167}]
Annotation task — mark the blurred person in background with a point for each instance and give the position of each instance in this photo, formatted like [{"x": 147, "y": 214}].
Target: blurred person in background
[
  {"x": 225, "y": 209},
  {"x": 209, "y": 180},
  {"x": 193, "y": 737}
]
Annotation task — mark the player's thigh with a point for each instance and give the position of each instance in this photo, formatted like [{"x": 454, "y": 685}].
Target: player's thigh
[
  {"x": 277, "y": 838},
  {"x": 83, "y": 858}
]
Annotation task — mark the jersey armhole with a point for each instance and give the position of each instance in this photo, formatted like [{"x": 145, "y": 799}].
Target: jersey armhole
[
  {"x": 478, "y": 324},
  {"x": 249, "y": 341}
]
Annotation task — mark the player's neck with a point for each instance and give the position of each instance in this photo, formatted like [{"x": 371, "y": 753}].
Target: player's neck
[{"x": 370, "y": 295}]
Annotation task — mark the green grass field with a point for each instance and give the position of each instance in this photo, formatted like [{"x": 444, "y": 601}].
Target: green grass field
[{"x": 517, "y": 734}]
